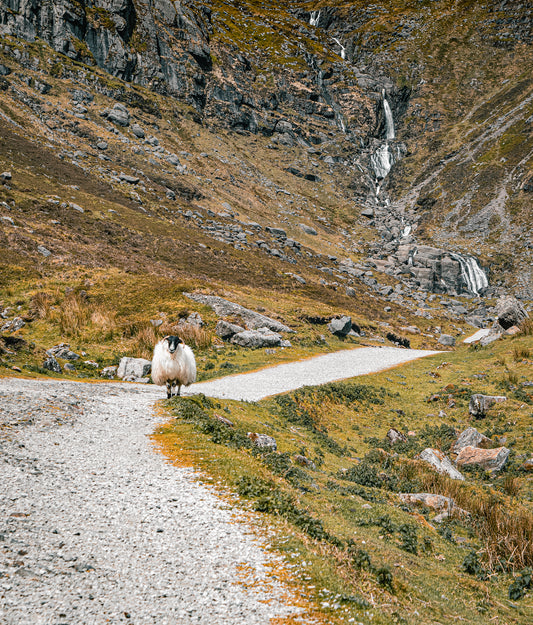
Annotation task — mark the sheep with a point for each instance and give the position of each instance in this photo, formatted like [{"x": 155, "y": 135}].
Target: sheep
[{"x": 173, "y": 364}]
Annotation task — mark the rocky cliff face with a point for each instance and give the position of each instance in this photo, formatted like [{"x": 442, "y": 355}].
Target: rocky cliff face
[{"x": 425, "y": 113}]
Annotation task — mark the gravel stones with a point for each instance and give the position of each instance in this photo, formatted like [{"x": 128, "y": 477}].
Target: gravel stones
[{"x": 109, "y": 527}]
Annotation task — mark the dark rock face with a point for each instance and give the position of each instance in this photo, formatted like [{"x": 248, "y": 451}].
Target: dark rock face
[{"x": 510, "y": 312}]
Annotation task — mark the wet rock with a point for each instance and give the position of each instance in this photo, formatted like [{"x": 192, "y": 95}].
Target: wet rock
[
  {"x": 133, "y": 369},
  {"x": 263, "y": 441},
  {"x": 52, "y": 365},
  {"x": 479, "y": 404},
  {"x": 471, "y": 438},
  {"x": 226, "y": 330},
  {"x": 341, "y": 326},
  {"x": 489, "y": 459},
  {"x": 441, "y": 463},
  {"x": 510, "y": 312}
]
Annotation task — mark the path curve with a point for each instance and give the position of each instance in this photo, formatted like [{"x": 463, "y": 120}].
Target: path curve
[
  {"x": 348, "y": 363},
  {"x": 95, "y": 527}
]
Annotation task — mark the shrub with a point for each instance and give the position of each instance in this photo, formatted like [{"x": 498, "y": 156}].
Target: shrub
[
  {"x": 409, "y": 538},
  {"x": 472, "y": 566},
  {"x": 365, "y": 474},
  {"x": 384, "y": 577},
  {"x": 521, "y": 584},
  {"x": 521, "y": 353}
]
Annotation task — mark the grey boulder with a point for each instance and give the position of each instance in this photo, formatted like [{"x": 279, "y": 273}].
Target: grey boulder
[
  {"x": 52, "y": 365},
  {"x": 226, "y": 330},
  {"x": 62, "y": 351},
  {"x": 133, "y": 369},
  {"x": 441, "y": 463},
  {"x": 479, "y": 404},
  {"x": 263, "y": 441},
  {"x": 262, "y": 337},
  {"x": 471, "y": 438},
  {"x": 510, "y": 312},
  {"x": 340, "y": 327}
]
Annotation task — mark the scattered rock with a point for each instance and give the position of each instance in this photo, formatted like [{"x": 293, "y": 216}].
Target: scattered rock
[
  {"x": 479, "y": 404},
  {"x": 308, "y": 230},
  {"x": 137, "y": 131},
  {"x": 437, "y": 502},
  {"x": 13, "y": 325},
  {"x": 489, "y": 459},
  {"x": 447, "y": 340},
  {"x": 223, "y": 420},
  {"x": 441, "y": 463},
  {"x": 471, "y": 438},
  {"x": 117, "y": 115},
  {"x": 340, "y": 327},
  {"x": 129, "y": 179},
  {"x": 395, "y": 436},
  {"x": 254, "y": 339},
  {"x": 6, "y": 176},
  {"x": 133, "y": 369},
  {"x": 510, "y": 312},
  {"x": 224, "y": 308},
  {"x": 102, "y": 145},
  {"x": 303, "y": 461},
  {"x": 226, "y": 330},
  {"x": 109, "y": 372},
  {"x": 263, "y": 441},
  {"x": 44, "y": 251},
  {"x": 69, "y": 367},
  {"x": 62, "y": 351},
  {"x": 52, "y": 365}
]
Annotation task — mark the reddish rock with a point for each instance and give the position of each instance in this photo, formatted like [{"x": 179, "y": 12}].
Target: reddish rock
[{"x": 488, "y": 459}]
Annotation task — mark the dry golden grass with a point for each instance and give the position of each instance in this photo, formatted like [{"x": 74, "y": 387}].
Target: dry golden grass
[
  {"x": 526, "y": 327},
  {"x": 72, "y": 317},
  {"x": 506, "y": 538},
  {"x": 40, "y": 304},
  {"x": 521, "y": 353}
]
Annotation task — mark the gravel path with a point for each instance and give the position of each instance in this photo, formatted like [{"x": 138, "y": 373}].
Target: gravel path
[
  {"x": 319, "y": 370},
  {"x": 96, "y": 527}
]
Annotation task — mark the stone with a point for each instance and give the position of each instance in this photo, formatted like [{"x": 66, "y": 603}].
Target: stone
[
  {"x": 62, "y": 351},
  {"x": 479, "y": 404},
  {"x": 303, "y": 461},
  {"x": 492, "y": 460},
  {"x": 109, "y": 372},
  {"x": 255, "y": 339},
  {"x": 226, "y": 330},
  {"x": 471, "y": 438},
  {"x": 308, "y": 230},
  {"x": 368, "y": 212},
  {"x": 44, "y": 251},
  {"x": 447, "y": 340},
  {"x": 69, "y": 367},
  {"x": 76, "y": 207},
  {"x": 133, "y": 369},
  {"x": 489, "y": 338},
  {"x": 137, "y": 131},
  {"x": 52, "y": 365},
  {"x": 340, "y": 327},
  {"x": 223, "y": 420},
  {"x": 129, "y": 179},
  {"x": 510, "y": 312},
  {"x": 6, "y": 175},
  {"x": 224, "y": 308},
  {"x": 394, "y": 436},
  {"x": 102, "y": 145},
  {"x": 263, "y": 441},
  {"x": 441, "y": 463},
  {"x": 276, "y": 232},
  {"x": 13, "y": 325},
  {"x": 437, "y": 502},
  {"x": 118, "y": 115}
]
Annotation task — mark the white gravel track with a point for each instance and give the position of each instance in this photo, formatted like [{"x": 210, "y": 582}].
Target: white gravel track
[
  {"x": 319, "y": 370},
  {"x": 97, "y": 527}
]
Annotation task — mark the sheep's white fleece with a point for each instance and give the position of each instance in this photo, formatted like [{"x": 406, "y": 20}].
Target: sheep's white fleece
[{"x": 177, "y": 367}]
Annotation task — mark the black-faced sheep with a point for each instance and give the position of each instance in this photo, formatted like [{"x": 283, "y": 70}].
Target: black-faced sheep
[{"x": 173, "y": 364}]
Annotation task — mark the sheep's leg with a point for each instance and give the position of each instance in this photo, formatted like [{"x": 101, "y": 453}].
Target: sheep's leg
[
  {"x": 169, "y": 390},
  {"x": 179, "y": 389}
]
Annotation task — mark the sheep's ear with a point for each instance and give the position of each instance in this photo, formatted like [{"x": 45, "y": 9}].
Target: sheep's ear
[{"x": 165, "y": 338}]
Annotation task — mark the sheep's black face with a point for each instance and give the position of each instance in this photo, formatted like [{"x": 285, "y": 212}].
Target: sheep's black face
[{"x": 173, "y": 342}]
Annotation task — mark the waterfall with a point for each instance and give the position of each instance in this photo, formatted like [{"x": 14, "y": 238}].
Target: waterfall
[
  {"x": 343, "y": 53},
  {"x": 389, "y": 120},
  {"x": 381, "y": 161},
  {"x": 315, "y": 18},
  {"x": 474, "y": 277}
]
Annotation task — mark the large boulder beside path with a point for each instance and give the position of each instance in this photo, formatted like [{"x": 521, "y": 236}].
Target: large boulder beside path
[
  {"x": 134, "y": 369},
  {"x": 510, "y": 312}
]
